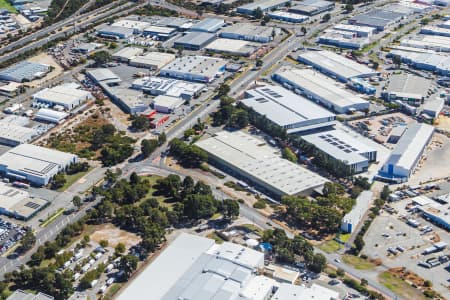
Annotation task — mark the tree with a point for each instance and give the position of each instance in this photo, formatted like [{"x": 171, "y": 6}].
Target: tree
[
  {"x": 128, "y": 264},
  {"x": 162, "y": 138},
  {"x": 230, "y": 208},
  {"x": 397, "y": 60},
  {"x": 318, "y": 264},
  {"x": 303, "y": 30},
  {"x": 258, "y": 13},
  {"x": 359, "y": 243},
  {"x": 103, "y": 243},
  {"x": 364, "y": 282},
  {"x": 140, "y": 123},
  {"x": 259, "y": 63},
  {"x": 28, "y": 242},
  {"x": 59, "y": 180},
  {"x": 148, "y": 146},
  {"x": 265, "y": 20},
  {"x": 120, "y": 249},
  {"x": 76, "y": 200},
  {"x": 326, "y": 18},
  {"x": 349, "y": 7},
  {"x": 289, "y": 155},
  {"x": 223, "y": 90},
  {"x": 101, "y": 57},
  {"x": 385, "y": 192},
  {"x": 340, "y": 272}
]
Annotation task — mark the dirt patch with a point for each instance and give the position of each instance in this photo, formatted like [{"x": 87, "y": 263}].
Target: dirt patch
[
  {"x": 46, "y": 59},
  {"x": 114, "y": 236}
]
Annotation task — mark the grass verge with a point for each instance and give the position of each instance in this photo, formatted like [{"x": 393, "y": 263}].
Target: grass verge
[
  {"x": 52, "y": 217},
  {"x": 71, "y": 179},
  {"x": 357, "y": 262},
  {"x": 5, "y": 4},
  {"x": 399, "y": 287},
  {"x": 113, "y": 289},
  {"x": 215, "y": 237},
  {"x": 330, "y": 246}
]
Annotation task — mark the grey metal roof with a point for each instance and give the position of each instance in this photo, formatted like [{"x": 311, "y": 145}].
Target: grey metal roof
[
  {"x": 196, "y": 38},
  {"x": 23, "y": 70},
  {"x": 340, "y": 145},
  {"x": 378, "y": 17},
  {"x": 284, "y": 107},
  {"x": 208, "y": 24},
  {"x": 408, "y": 85}
]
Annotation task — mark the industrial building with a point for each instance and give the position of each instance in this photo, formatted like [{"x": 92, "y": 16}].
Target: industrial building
[
  {"x": 247, "y": 32},
  {"x": 24, "y": 71},
  {"x": 288, "y": 17},
  {"x": 432, "y": 62},
  {"x": 115, "y": 32},
  {"x": 250, "y": 159},
  {"x": 195, "y": 40},
  {"x": 50, "y": 115},
  {"x": 86, "y": 48},
  {"x": 181, "y": 24},
  {"x": 152, "y": 60},
  {"x": 233, "y": 47},
  {"x": 302, "y": 292},
  {"x": 352, "y": 219},
  {"x": 379, "y": 19},
  {"x": 407, "y": 88},
  {"x": 335, "y": 65},
  {"x": 436, "y": 213},
  {"x": 433, "y": 108},
  {"x": 406, "y": 155},
  {"x": 18, "y": 203},
  {"x": 130, "y": 101},
  {"x": 22, "y": 295},
  {"x": 360, "y": 31},
  {"x": 321, "y": 89},
  {"x": 342, "y": 39},
  {"x": 10, "y": 89},
  {"x": 166, "y": 104},
  {"x": 208, "y": 25},
  {"x": 67, "y": 96},
  {"x": 396, "y": 134},
  {"x": 136, "y": 25},
  {"x": 195, "y": 68},
  {"x": 13, "y": 131},
  {"x": 168, "y": 86},
  {"x": 312, "y": 7},
  {"x": 34, "y": 164},
  {"x": 194, "y": 267},
  {"x": 288, "y": 110},
  {"x": 161, "y": 32},
  {"x": 430, "y": 42},
  {"x": 340, "y": 145},
  {"x": 127, "y": 53},
  {"x": 103, "y": 77},
  {"x": 264, "y": 5},
  {"x": 435, "y": 30}
]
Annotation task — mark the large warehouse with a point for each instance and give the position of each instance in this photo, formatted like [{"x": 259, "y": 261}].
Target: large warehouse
[
  {"x": 67, "y": 96},
  {"x": 233, "y": 47},
  {"x": 127, "y": 53},
  {"x": 208, "y": 25},
  {"x": 335, "y": 65},
  {"x": 18, "y": 203},
  {"x": 13, "y": 134},
  {"x": 34, "y": 164},
  {"x": 434, "y": 62},
  {"x": 340, "y": 145},
  {"x": 195, "y": 68},
  {"x": 247, "y": 32},
  {"x": 168, "y": 86},
  {"x": 50, "y": 115},
  {"x": 152, "y": 60},
  {"x": 288, "y": 110},
  {"x": 406, "y": 155},
  {"x": 166, "y": 104},
  {"x": 379, "y": 19},
  {"x": 408, "y": 88},
  {"x": 430, "y": 42},
  {"x": 24, "y": 71},
  {"x": 264, "y": 5},
  {"x": 250, "y": 159},
  {"x": 312, "y": 7},
  {"x": 194, "y": 267},
  {"x": 195, "y": 40},
  {"x": 321, "y": 89}
]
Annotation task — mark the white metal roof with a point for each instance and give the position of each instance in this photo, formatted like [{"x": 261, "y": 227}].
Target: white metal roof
[
  {"x": 65, "y": 94},
  {"x": 282, "y": 106},
  {"x": 259, "y": 161},
  {"x": 320, "y": 85},
  {"x": 301, "y": 292},
  {"x": 337, "y": 64},
  {"x": 157, "y": 59}
]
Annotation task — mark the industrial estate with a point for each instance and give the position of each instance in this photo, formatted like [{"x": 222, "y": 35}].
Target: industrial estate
[{"x": 224, "y": 149}]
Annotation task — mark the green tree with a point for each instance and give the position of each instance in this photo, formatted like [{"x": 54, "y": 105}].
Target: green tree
[
  {"x": 101, "y": 57},
  {"x": 128, "y": 264},
  {"x": 103, "y": 243},
  {"x": 120, "y": 249},
  {"x": 59, "y": 180},
  {"x": 148, "y": 146},
  {"x": 259, "y": 63},
  {"x": 326, "y": 18},
  {"x": 258, "y": 13},
  {"x": 349, "y": 7},
  {"x": 162, "y": 138},
  {"x": 230, "y": 208},
  {"x": 385, "y": 192},
  {"x": 318, "y": 264},
  {"x": 28, "y": 241},
  {"x": 140, "y": 123},
  {"x": 76, "y": 200},
  {"x": 289, "y": 155},
  {"x": 223, "y": 90}
]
